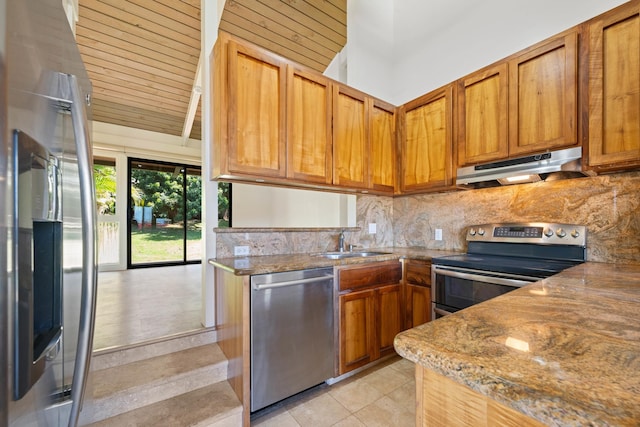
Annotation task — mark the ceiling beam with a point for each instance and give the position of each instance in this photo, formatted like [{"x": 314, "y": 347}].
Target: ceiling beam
[{"x": 196, "y": 91}]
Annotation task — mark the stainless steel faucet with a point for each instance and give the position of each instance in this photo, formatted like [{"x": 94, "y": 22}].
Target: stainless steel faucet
[{"x": 341, "y": 242}]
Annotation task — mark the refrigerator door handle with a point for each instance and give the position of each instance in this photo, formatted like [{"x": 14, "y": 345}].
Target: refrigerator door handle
[{"x": 89, "y": 268}]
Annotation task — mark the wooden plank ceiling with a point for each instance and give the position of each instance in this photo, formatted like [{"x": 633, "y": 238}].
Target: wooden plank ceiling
[
  {"x": 308, "y": 32},
  {"x": 142, "y": 55}
]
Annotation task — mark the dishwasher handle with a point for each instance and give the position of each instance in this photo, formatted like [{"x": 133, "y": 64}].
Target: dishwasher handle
[{"x": 265, "y": 286}]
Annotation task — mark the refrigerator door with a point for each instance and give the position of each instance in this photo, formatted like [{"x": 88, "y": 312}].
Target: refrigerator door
[{"x": 47, "y": 99}]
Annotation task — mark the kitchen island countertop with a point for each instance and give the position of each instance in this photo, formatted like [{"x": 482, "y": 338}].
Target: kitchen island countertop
[
  {"x": 277, "y": 263},
  {"x": 564, "y": 350}
]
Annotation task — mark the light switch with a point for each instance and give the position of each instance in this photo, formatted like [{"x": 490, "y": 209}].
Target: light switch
[
  {"x": 438, "y": 234},
  {"x": 372, "y": 228}
]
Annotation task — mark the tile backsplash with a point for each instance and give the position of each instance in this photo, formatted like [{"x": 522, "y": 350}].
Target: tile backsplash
[{"x": 609, "y": 205}]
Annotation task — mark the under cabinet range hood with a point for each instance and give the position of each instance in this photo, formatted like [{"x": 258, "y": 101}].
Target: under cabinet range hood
[{"x": 549, "y": 165}]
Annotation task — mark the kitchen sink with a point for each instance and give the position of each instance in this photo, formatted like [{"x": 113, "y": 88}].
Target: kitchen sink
[{"x": 357, "y": 254}]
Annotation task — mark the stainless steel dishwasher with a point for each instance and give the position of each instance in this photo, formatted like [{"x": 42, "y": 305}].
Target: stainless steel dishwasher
[{"x": 292, "y": 334}]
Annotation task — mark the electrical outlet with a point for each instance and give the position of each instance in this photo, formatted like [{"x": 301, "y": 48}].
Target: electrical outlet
[
  {"x": 438, "y": 234},
  {"x": 372, "y": 228},
  {"x": 240, "y": 250}
]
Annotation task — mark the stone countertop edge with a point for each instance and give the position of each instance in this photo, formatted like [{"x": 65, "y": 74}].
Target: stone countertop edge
[
  {"x": 564, "y": 350},
  {"x": 244, "y": 266}
]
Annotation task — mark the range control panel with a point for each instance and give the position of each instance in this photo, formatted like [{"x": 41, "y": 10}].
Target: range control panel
[{"x": 540, "y": 233}]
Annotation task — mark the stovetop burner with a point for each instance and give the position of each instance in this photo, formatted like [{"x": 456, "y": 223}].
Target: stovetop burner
[{"x": 528, "y": 249}]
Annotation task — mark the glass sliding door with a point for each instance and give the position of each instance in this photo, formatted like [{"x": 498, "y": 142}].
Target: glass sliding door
[{"x": 164, "y": 213}]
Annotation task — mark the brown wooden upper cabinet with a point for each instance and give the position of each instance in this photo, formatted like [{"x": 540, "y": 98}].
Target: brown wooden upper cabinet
[
  {"x": 309, "y": 148},
  {"x": 364, "y": 141},
  {"x": 524, "y": 104},
  {"x": 256, "y": 112},
  {"x": 272, "y": 120},
  {"x": 614, "y": 89},
  {"x": 278, "y": 122},
  {"x": 383, "y": 158},
  {"x": 426, "y": 142},
  {"x": 350, "y": 137}
]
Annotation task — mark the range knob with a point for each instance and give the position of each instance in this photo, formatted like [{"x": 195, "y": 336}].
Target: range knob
[
  {"x": 472, "y": 231},
  {"x": 560, "y": 232},
  {"x": 548, "y": 232},
  {"x": 481, "y": 231},
  {"x": 575, "y": 234}
]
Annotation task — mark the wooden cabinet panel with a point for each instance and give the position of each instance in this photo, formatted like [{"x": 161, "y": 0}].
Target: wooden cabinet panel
[
  {"x": 418, "y": 305},
  {"x": 417, "y": 292},
  {"x": 482, "y": 122},
  {"x": 349, "y": 138},
  {"x": 441, "y": 401},
  {"x": 308, "y": 126},
  {"x": 367, "y": 275},
  {"x": 390, "y": 318},
  {"x": 426, "y": 148},
  {"x": 543, "y": 96},
  {"x": 357, "y": 329},
  {"x": 382, "y": 156},
  {"x": 256, "y": 84},
  {"x": 371, "y": 315},
  {"x": 614, "y": 89}
]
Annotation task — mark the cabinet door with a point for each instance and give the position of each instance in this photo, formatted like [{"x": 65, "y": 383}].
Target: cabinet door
[
  {"x": 418, "y": 304},
  {"x": 357, "y": 329},
  {"x": 308, "y": 126},
  {"x": 256, "y": 85},
  {"x": 390, "y": 317},
  {"x": 350, "y": 141},
  {"x": 482, "y": 121},
  {"x": 426, "y": 151},
  {"x": 543, "y": 97},
  {"x": 614, "y": 89},
  {"x": 382, "y": 157}
]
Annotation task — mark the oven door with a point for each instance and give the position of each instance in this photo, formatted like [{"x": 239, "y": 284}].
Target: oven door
[{"x": 456, "y": 288}]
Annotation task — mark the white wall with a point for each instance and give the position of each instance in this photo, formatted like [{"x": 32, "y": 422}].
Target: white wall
[
  {"x": 437, "y": 41},
  {"x": 275, "y": 207}
]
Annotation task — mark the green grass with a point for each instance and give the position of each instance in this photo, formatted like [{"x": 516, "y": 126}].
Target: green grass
[{"x": 165, "y": 244}]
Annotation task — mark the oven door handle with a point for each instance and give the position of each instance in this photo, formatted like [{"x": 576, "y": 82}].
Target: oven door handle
[{"x": 481, "y": 278}]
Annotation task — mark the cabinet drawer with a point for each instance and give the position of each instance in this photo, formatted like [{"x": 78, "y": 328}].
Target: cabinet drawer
[
  {"x": 369, "y": 275},
  {"x": 418, "y": 272}
]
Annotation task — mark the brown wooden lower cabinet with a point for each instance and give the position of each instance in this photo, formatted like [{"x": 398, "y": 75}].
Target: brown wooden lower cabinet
[
  {"x": 443, "y": 402},
  {"x": 370, "y": 312},
  {"x": 417, "y": 292}
]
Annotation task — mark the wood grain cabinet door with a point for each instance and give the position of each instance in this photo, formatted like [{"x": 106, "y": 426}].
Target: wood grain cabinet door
[
  {"x": 427, "y": 142},
  {"x": 418, "y": 302},
  {"x": 256, "y": 86},
  {"x": 382, "y": 156},
  {"x": 308, "y": 126},
  {"x": 390, "y": 317},
  {"x": 543, "y": 96},
  {"x": 357, "y": 329},
  {"x": 482, "y": 120},
  {"x": 350, "y": 139},
  {"x": 614, "y": 89},
  {"x": 417, "y": 278}
]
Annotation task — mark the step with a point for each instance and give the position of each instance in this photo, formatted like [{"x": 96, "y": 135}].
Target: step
[
  {"x": 126, "y": 387},
  {"x": 215, "y": 405},
  {"x": 107, "y": 358}
]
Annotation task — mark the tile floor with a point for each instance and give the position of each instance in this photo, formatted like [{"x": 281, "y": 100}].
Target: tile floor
[
  {"x": 381, "y": 396},
  {"x": 143, "y": 304}
]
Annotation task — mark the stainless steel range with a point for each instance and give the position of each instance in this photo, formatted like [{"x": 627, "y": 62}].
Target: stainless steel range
[{"x": 501, "y": 258}]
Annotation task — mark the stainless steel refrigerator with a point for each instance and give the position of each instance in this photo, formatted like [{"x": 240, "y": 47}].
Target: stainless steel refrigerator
[{"x": 47, "y": 217}]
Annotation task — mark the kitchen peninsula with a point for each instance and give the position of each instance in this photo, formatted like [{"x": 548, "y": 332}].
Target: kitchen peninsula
[{"x": 562, "y": 351}]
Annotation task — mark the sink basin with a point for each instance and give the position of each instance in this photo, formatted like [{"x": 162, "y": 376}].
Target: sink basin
[{"x": 358, "y": 254}]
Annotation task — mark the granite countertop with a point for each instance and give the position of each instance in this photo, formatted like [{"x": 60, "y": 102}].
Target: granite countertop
[
  {"x": 277, "y": 263},
  {"x": 564, "y": 350}
]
